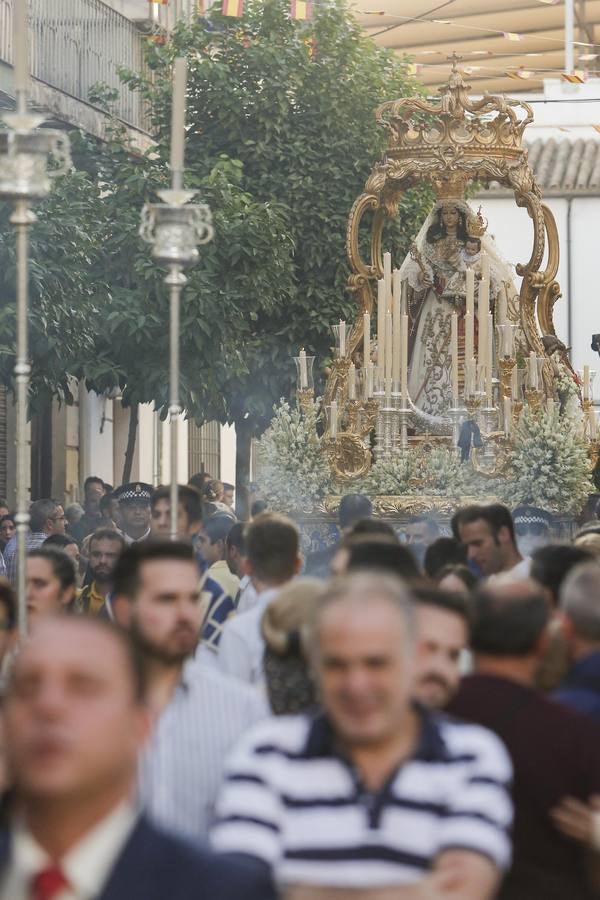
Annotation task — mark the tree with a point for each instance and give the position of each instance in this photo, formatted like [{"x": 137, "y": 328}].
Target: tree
[{"x": 293, "y": 104}]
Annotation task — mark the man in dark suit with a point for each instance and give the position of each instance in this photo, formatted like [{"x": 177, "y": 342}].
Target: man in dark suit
[{"x": 75, "y": 720}]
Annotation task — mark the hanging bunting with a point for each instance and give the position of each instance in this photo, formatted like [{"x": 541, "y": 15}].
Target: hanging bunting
[
  {"x": 233, "y": 8},
  {"x": 301, "y": 10},
  {"x": 573, "y": 77},
  {"x": 512, "y": 36}
]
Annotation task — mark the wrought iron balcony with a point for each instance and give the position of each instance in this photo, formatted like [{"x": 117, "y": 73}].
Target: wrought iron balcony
[{"x": 78, "y": 43}]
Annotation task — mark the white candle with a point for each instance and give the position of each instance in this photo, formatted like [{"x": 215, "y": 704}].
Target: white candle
[
  {"x": 470, "y": 376},
  {"x": 532, "y": 371},
  {"x": 334, "y": 418},
  {"x": 507, "y": 416},
  {"x": 454, "y": 358},
  {"x": 21, "y": 51},
  {"x": 396, "y": 285},
  {"x": 489, "y": 361},
  {"x": 485, "y": 267},
  {"x": 388, "y": 349},
  {"x": 178, "y": 121},
  {"x": 404, "y": 298},
  {"x": 387, "y": 277},
  {"x": 470, "y": 315},
  {"x": 303, "y": 370},
  {"x": 352, "y": 382},
  {"x": 586, "y": 382},
  {"x": 369, "y": 382},
  {"x": 483, "y": 308},
  {"x": 366, "y": 338},
  {"x": 502, "y": 305},
  {"x": 381, "y": 327},
  {"x": 404, "y": 358},
  {"x": 396, "y": 340},
  {"x": 593, "y": 423},
  {"x": 514, "y": 383},
  {"x": 342, "y": 339}
]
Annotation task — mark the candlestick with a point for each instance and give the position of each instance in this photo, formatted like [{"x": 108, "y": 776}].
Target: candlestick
[
  {"x": 489, "y": 360},
  {"x": 397, "y": 286},
  {"x": 381, "y": 326},
  {"x": 369, "y": 381},
  {"x": 586, "y": 382},
  {"x": 470, "y": 315},
  {"x": 396, "y": 316},
  {"x": 404, "y": 359},
  {"x": 178, "y": 122},
  {"x": 483, "y": 308},
  {"x": 366, "y": 338},
  {"x": 470, "y": 376},
  {"x": 20, "y": 11},
  {"x": 352, "y": 382},
  {"x": 503, "y": 308},
  {"x": 303, "y": 370},
  {"x": 454, "y": 358},
  {"x": 514, "y": 384},
  {"x": 342, "y": 339},
  {"x": 593, "y": 424},
  {"x": 404, "y": 298}
]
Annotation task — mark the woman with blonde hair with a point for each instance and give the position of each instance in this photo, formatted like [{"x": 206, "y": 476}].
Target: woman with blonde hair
[{"x": 284, "y": 627}]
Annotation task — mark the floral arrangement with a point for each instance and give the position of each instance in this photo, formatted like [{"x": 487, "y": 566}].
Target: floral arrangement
[
  {"x": 550, "y": 465},
  {"x": 294, "y": 471}
]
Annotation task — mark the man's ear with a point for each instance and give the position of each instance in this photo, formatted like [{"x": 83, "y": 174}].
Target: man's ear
[
  {"x": 298, "y": 565},
  {"x": 565, "y": 625},
  {"x": 246, "y": 566},
  {"x": 122, "y": 610}
]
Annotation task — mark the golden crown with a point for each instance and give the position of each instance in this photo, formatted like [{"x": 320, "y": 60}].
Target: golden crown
[
  {"x": 477, "y": 224},
  {"x": 452, "y": 140}
]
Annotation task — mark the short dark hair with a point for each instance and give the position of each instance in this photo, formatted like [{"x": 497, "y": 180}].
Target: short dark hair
[
  {"x": 372, "y": 526},
  {"x": 352, "y": 508},
  {"x": 187, "y": 495},
  {"x": 40, "y": 511},
  {"x": 8, "y": 599},
  {"x": 236, "y": 537},
  {"x": 450, "y": 602},
  {"x": 217, "y": 527},
  {"x": 496, "y": 515},
  {"x": 272, "y": 547},
  {"x": 473, "y": 240},
  {"x": 459, "y": 571},
  {"x": 550, "y": 565},
  {"x": 444, "y": 551},
  {"x": 9, "y": 517},
  {"x": 59, "y": 540},
  {"x": 92, "y": 479},
  {"x": 396, "y": 559},
  {"x": 508, "y": 626},
  {"x": 106, "y": 534},
  {"x": 258, "y": 507},
  {"x": 63, "y": 567},
  {"x": 105, "y": 502},
  {"x": 126, "y": 576},
  {"x": 199, "y": 479}
]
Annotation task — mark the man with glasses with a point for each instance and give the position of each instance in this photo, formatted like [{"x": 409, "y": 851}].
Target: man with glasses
[{"x": 46, "y": 517}]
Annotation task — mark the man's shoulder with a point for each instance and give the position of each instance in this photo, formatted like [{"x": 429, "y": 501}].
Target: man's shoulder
[
  {"x": 157, "y": 864},
  {"x": 244, "y": 623},
  {"x": 284, "y": 736},
  {"x": 206, "y": 678},
  {"x": 469, "y": 742}
]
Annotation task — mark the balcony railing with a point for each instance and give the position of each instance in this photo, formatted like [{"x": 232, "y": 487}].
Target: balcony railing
[{"x": 77, "y": 43}]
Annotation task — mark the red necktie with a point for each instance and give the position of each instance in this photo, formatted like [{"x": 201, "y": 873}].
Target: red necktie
[{"x": 48, "y": 883}]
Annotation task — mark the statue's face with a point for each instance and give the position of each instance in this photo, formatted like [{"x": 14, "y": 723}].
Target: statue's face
[{"x": 450, "y": 216}]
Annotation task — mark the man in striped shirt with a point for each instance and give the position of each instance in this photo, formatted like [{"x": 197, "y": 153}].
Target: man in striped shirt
[{"x": 374, "y": 793}]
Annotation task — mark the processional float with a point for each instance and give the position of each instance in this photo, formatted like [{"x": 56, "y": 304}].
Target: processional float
[{"x": 444, "y": 348}]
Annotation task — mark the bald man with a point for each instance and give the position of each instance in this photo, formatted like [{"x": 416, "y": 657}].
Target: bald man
[
  {"x": 75, "y": 721},
  {"x": 554, "y": 750}
]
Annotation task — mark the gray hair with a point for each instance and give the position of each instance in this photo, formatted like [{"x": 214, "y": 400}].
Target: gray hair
[
  {"x": 360, "y": 589},
  {"x": 580, "y": 599}
]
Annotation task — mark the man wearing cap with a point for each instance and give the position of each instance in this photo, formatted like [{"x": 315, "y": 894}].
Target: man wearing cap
[{"x": 134, "y": 508}]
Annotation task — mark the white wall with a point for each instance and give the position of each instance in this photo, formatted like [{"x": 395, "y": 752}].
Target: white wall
[
  {"x": 512, "y": 229},
  {"x": 228, "y": 451},
  {"x": 95, "y": 436},
  {"x": 182, "y": 452}
]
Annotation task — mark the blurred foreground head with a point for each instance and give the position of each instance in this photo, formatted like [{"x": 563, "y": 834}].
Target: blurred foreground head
[
  {"x": 74, "y": 716},
  {"x": 362, "y": 647},
  {"x": 510, "y": 621}
]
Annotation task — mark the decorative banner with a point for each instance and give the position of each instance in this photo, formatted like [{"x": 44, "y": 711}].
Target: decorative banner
[
  {"x": 159, "y": 2},
  {"x": 301, "y": 9},
  {"x": 233, "y": 8},
  {"x": 573, "y": 77}
]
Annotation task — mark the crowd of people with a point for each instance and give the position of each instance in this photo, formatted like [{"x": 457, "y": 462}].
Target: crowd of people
[{"x": 412, "y": 712}]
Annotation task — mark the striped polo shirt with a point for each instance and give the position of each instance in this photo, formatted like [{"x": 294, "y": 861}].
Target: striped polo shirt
[{"x": 290, "y": 800}]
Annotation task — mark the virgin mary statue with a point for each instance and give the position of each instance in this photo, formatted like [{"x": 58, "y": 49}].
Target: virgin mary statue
[{"x": 447, "y": 245}]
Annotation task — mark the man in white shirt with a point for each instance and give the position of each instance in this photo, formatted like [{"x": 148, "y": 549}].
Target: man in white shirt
[
  {"x": 488, "y": 535},
  {"x": 272, "y": 559},
  {"x": 199, "y": 713},
  {"x": 74, "y": 722}
]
